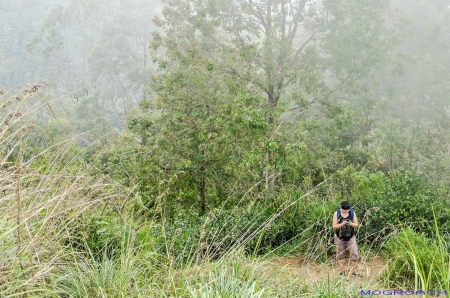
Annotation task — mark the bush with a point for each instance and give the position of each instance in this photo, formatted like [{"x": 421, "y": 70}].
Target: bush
[
  {"x": 409, "y": 253},
  {"x": 294, "y": 224},
  {"x": 259, "y": 229},
  {"x": 385, "y": 200},
  {"x": 190, "y": 237}
]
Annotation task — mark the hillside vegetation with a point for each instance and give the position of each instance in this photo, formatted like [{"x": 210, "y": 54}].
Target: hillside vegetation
[{"x": 203, "y": 154}]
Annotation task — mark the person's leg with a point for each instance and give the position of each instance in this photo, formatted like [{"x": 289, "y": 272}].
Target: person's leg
[
  {"x": 354, "y": 255},
  {"x": 340, "y": 253}
]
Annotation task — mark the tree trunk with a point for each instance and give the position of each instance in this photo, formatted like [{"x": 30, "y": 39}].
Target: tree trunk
[
  {"x": 270, "y": 172},
  {"x": 202, "y": 186},
  {"x": 203, "y": 196}
]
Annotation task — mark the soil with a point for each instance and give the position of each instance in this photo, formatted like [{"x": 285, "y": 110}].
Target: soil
[{"x": 311, "y": 273}]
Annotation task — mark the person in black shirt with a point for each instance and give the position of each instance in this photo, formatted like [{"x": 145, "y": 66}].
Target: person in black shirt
[{"x": 345, "y": 216}]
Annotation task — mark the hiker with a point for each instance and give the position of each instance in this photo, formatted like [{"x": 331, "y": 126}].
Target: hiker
[{"x": 345, "y": 222}]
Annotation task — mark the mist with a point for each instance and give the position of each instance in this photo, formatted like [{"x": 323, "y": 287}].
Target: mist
[{"x": 198, "y": 148}]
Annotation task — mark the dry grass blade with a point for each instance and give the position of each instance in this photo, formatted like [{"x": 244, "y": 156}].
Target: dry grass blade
[{"x": 43, "y": 194}]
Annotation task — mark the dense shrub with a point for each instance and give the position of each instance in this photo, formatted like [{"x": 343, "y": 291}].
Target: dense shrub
[
  {"x": 410, "y": 255},
  {"x": 261, "y": 229},
  {"x": 190, "y": 237},
  {"x": 385, "y": 200}
]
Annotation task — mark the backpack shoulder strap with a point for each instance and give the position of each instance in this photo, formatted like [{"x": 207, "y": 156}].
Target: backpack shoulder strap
[{"x": 352, "y": 213}]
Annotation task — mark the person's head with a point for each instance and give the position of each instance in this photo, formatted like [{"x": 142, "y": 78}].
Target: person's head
[{"x": 345, "y": 205}]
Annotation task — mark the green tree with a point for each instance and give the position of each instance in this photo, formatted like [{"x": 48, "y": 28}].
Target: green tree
[
  {"x": 285, "y": 50},
  {"x": 206, "y": 133},
  {"x": 288, "y": 57}
]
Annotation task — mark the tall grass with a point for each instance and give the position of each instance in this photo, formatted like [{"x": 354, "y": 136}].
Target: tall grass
[
  {"x": 442, "y": 260},
  {"x": 129, "y": 272},
  {"x": 436, "y": 274},
  {"x": 42, "y": 197},
  {"x": 417, "y": 261}
]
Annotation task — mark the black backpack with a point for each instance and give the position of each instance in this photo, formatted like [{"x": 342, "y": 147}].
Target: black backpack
[{"x": 346, "y": 232}]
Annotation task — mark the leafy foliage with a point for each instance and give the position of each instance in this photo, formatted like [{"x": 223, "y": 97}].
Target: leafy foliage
[{"x": 410, "y": 253}]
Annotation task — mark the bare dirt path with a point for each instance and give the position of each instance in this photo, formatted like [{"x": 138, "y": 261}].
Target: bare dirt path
[
  {"x": 312, "y": 273},
  {"x": 370, "y": 270}
]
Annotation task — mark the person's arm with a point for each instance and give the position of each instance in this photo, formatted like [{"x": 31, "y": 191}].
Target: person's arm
[
  {"x": 337, "y": 225},
  {"x": 354, "y": 224}
]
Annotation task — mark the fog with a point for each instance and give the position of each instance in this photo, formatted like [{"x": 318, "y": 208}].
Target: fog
[{"x": 387, "y": 62}]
